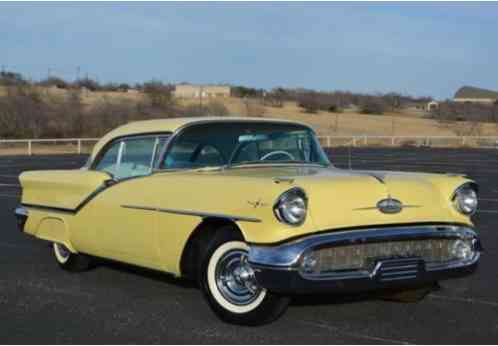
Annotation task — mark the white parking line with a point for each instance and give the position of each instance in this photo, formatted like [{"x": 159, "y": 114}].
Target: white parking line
[
  {"x": 11, "y": 196},
  {"x": 324, "y": 325},
  {"x": 12, "y": 185},
  {"x": 465, "y": 300},
  {"x": 488, "y": 211},
  {"x": 9, "y": 176},
  {"x": 47, "y": 288}
]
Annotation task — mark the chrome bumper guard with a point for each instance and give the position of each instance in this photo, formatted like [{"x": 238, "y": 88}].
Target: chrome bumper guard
[
  {"x": 21, "y": 217},
  {"x": 402, "y": 260}
]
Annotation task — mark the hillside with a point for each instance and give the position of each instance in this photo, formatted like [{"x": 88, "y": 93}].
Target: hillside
[{"x": 406, "y": 123}]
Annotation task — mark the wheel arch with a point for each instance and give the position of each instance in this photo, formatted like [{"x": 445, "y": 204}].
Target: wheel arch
[
  {"x": 55, "y": 230},
  {"x": 192, "y": 250}
]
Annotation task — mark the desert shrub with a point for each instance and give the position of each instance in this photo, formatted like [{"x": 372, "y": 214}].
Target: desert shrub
[
  {"x": 310, "y": 102},
  {"x": 124, "y": 87},
  {"x": 110, "y": 87},
  {"x": 333, "y": 108},
  {"x": 275, "y": 98},
  {"x": 87, "y": 83},
  {"x": 243, "y": 92},
  {"x": 8, "y": 78},
  {"x": 455, "y": 111},
  {"x": 55, "y": 82},
  {"x": 372, "y": 105},
  {"x": 160, "y": 95},
  {"x": 23, "y": 112},
  {"x": 108, "y": 114}
]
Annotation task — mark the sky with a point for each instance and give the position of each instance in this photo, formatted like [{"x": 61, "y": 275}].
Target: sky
[{"x": 424, "y": 49}]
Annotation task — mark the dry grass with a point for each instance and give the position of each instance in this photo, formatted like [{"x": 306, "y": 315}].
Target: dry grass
[
  {"x": 406, "y": 123},
  {"x": 409, "y": 123}
]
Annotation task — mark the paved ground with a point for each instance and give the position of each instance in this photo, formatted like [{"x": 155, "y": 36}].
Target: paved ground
[{"x": 120, "y": 304}]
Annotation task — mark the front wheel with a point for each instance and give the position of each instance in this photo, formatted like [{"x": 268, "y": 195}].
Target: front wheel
[
  {"x": 70, "y": 261},
  {"x": 230, "y": 285}
]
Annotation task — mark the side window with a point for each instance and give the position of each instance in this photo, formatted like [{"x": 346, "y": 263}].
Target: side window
[
  {"x": 130, "y": 157},
  {"x": 207, "y": 156},
  {"x": 192, "y": 155},
  {"x": 136, "y": 158},
  {"x": 297, "y": 146}
]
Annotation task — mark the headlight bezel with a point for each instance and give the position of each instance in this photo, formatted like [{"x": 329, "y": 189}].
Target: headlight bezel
[
  {"x": 287, "y": 197},
  {"x": 462, "y": 192}
]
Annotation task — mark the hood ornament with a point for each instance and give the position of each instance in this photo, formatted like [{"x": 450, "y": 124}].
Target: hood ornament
[{"x": 390, "y": 205}]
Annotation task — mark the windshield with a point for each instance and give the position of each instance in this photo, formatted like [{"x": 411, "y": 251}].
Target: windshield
[{"x": 237, "y": 143}]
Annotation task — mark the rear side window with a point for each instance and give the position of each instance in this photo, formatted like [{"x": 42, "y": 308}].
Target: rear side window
[{"x": 131, "y": 157}]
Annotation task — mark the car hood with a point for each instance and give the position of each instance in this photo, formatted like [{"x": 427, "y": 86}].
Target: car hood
[{"x": 340, "y": 198}]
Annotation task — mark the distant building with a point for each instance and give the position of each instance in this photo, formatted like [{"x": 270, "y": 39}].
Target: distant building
[
  {"x": 205, "y": 91},
  {"x": 475, "y": 95},
  {"x": 432, "y": 106}
]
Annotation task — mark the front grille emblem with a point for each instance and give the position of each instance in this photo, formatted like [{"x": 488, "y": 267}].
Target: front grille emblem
[{"x": 390, "y": 206}]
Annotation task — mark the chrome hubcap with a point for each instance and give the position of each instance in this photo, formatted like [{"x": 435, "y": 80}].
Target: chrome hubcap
[{"x": 235, "y": 278}]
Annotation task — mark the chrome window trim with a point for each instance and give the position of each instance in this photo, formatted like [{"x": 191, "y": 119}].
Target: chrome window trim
[
  {"x": 192, "y": 213},
  {"x": 120, "y": 153},
  {"x": 122, "y": 140},
  {"x": 93, "y": 162}
]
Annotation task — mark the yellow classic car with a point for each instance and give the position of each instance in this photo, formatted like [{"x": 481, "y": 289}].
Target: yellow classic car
[{"x": 252, "y": 210}]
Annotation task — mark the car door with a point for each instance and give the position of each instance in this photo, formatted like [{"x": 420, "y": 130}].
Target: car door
[{"x": 123, "y": 215}]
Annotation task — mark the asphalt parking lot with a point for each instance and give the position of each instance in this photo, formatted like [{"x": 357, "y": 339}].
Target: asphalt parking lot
[{"x": 114, "y": 303}]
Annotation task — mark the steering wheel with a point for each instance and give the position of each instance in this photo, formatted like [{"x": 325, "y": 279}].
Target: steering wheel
[{"x": 277, "y": 152}]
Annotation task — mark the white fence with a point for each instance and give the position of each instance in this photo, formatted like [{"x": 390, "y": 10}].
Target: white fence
[
  {"x": 84, "y": 145},
  {"x": 55, "y": 145},
  {"x": 416, "y": 141}
]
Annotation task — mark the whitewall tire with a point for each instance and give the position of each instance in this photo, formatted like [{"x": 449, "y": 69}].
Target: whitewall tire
[
  {"x": 230, "y": 285},
  {"x": 70, "y": 261}
]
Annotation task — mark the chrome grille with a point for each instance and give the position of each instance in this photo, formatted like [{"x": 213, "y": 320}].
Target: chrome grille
[
  {"x": 400, "y": 269},
  {"x": 364, "y": 255}
]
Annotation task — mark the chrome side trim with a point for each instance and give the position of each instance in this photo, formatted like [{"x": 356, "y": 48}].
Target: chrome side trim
[
  {"x": 286, "y": 256},
  {"x": 138, "y": 207},
  {"x": 193, "y": 213}
]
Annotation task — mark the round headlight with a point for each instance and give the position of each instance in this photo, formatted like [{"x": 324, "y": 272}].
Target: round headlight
[
  {"x": 465, "y": 199},
  {"x": 291, "y": 207}
]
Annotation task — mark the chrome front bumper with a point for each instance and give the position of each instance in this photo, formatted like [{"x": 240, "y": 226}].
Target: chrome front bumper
[
  {"x": 281, "y": 268},
  {"x": 21, "y": 214}
]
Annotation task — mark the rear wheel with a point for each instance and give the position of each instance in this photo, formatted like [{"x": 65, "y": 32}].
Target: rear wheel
[
  {"x": 70, "y": 261},
  {"x": 230, "y": 285}
]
